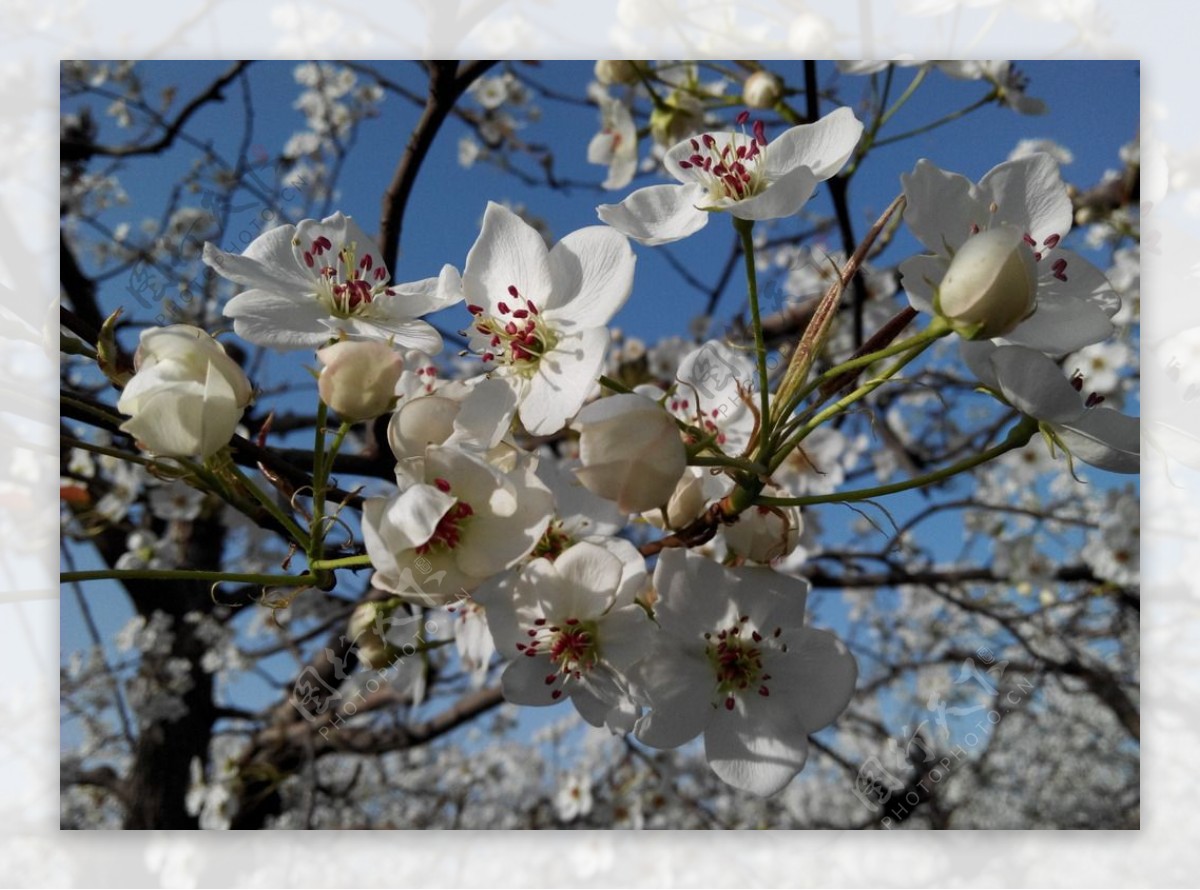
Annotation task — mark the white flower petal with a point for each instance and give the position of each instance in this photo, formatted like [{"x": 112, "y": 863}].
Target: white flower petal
[
  {"x": 782, "y": 198},
  {"x": 508, "y": 253},
  {"x": 1035, "y": 385},
  {"x": 524, "y": 682},
  {"x": 565, "y": 375},
  {"x": 1084, "y": 282},
  {"x": 658, "y": 214},
  {"x": 823, "y": 147},
  {"x": 416, "y": 298},
  {"x": 277, "y": 320},
  {"x": 1030, "y": 196},
  {"x": 678, "y": 685},
  {"x": 413, "y": 515},
  {"x": 942, "y": 207},
  {"x": 1060, "y": 326},
  {"x": 592, "y": 571},
  {"x": 592, "y": 270},
  {"x": 919, "y": 276},
  {"x": 267, "y": 263},
  {"x": 821, "y": 671},
  {"x": 748, "y": 750},
  {"x": 1105, "y": 438}
]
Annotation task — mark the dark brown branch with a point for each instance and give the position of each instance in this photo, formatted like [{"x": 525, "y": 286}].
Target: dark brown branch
[
  {"x": 447, "y": 82},
  {"x": 82, "y": 151}
]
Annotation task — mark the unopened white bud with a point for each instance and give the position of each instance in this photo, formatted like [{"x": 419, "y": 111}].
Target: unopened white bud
[
  {"x": 762, "y": 90},
  {"x": 631, "y": 451},
  {"x": 762, "y": 534},
  {"x": 610, "y": 71},
  {"x": 359, "y": 378},
  {"x": 991, "y": 285}
]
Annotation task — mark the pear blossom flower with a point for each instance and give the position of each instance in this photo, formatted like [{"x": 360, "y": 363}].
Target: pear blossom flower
[
  {"x": 745, "y": 175},
  {"x": 1074, "y": 301},
  {"x": 540, "y": 315},
  {"x": 714, "y": 382},
  {"x": 1034, "y": 384},
  {"x": 735, "y": 663},
  {"x": 359, "y": 377},
  {"x": 762, "y": 89},
  {"x": 573, "y": 629},
  {"x": 631, "y": 451},
  {"x": 465, "y": 523},
  {"x": 615, "y": 146},
  {"x": 764, "y": 534},
  {"x": 187, "y": 396},
  {"x": 319, "y": 281}
]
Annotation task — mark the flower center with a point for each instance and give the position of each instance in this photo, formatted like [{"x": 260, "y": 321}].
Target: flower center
[
  {"x": 572, "y": 647},
  {"x": 732, "y": 171},
  {"x": 346, "y": 283},
  {"x": 448, "y": 532},
  {"x": 554, "y": 541},
  {"x": 517, "y": 337},
  {"x": 736, "y": 657}
]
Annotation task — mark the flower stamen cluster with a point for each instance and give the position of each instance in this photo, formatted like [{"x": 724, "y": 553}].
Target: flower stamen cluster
[
  {"x": 732, "y": 170},
  {"x": 519, "y": 337}
]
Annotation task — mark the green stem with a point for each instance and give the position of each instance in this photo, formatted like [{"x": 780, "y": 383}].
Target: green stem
[
  {"x": 305, "y": 580},
  {"x": 319, "y": 476},
  {"x": 1018, "y": 437},
  {"x": 614, "y": 385},
  {"x": 745, "y": 229},
  {"x": 298, "y": 534},
  {"x": 343, "y": 562},
  {"x": 937, "y": 329},
  {"x": 839, "y": 406}
]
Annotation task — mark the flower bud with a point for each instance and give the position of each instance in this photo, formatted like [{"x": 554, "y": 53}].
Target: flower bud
[
  {"x": 367, "y": 630},
  {"x": 991, "y": 283},
  {"x": 762, "y": 90},
  {"x": 610, "y": 71},
  {"x": 762, "y": 534},
  {"x": 679, "y": 116},
  {"x": 187, "y": 396},
  {"x": 631, "y": 451},
  {"x": 359, "y": 378}
]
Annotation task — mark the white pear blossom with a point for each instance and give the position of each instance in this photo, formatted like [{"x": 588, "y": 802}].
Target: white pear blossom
[
  {"x": 318, "y": 281},
  {"x": 715, "y": 388},
  {"x": 187, "y": 396},
  {"x": 735, "y": 663},
  {"x": 1035, "y": 385},
  {"x": 991, "y": 285},
  {"x": 630, "y": 450},
  {"x": 739, "y": 173},
  {"x": 1074, "y": 301},
  {"x": 471, "y": 414},
  {"x": 465, "y": 523},
  {"x": 762, "y": 89},
  {"x": 573, "y": 800},
  {"x": 540, "y": 315},
  {"x": 615, "y": 146},
  {"x": 764, "y": 534},
  {"x": 572, "y": 629}
]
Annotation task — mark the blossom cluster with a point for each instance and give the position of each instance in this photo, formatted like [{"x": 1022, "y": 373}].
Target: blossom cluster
[{"x": 516, "y": 484}]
